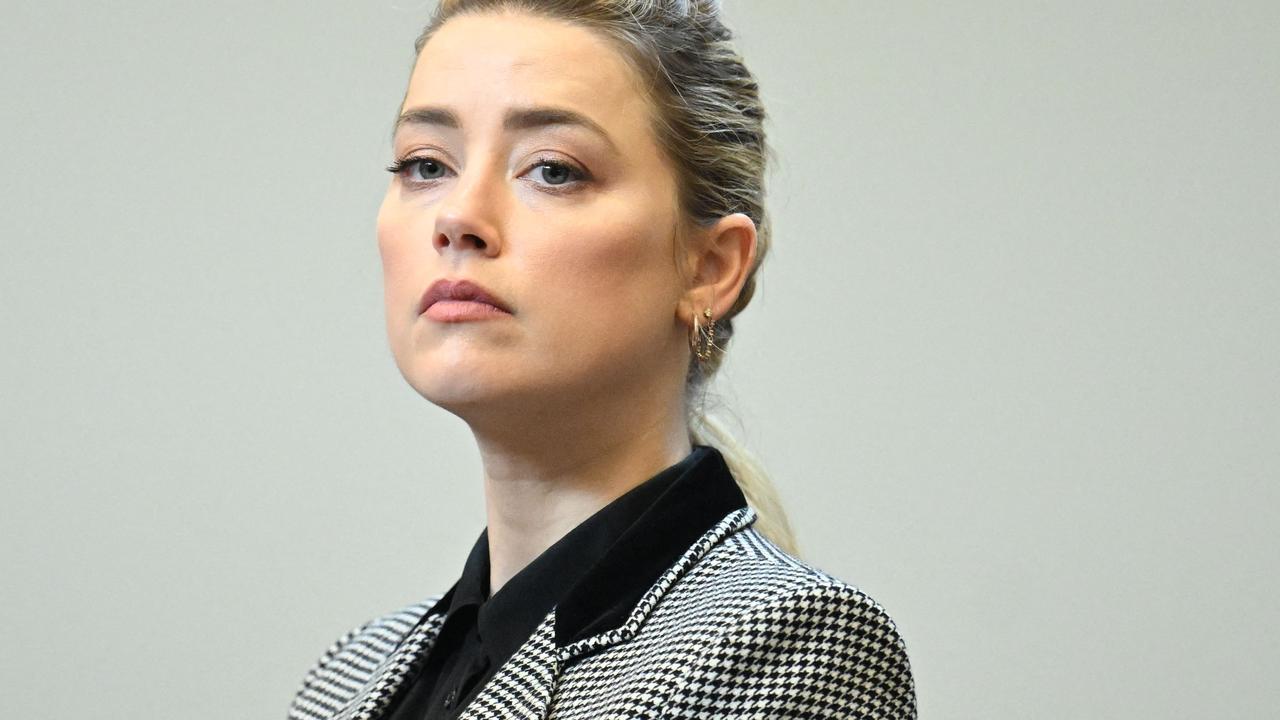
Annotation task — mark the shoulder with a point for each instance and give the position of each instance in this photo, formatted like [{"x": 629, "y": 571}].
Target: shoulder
[
  {"x": 748, "y": 575},
  {"x": 348, "y": 663},
  {"x": 788, "y": 639}
]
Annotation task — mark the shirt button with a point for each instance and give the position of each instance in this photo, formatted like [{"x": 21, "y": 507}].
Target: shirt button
[{"x": 451, "y": 698}]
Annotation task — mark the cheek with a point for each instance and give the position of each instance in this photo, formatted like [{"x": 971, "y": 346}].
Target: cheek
[
  {"x": 400, "y": 251},
  {"x": 613, "y": 277}
]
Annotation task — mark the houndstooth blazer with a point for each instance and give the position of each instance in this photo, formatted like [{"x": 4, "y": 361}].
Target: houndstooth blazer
[{"x": 735, "y": 628}]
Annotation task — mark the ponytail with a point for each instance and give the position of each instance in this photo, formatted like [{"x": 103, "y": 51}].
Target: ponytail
[{"x": 755, "y": 483}]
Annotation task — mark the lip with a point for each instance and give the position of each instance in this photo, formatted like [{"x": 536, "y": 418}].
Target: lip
[{"x": 461, "y": 289}]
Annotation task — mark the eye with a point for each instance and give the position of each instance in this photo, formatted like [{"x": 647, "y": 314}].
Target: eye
[
  {"x": 428, "y": 168},
  {"x": 557, "y": 174}
]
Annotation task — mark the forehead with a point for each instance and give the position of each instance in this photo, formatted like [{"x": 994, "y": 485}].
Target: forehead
[{"x": 480, "y": 64}]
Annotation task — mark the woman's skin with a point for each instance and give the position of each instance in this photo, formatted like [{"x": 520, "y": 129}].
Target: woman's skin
[{"x": 576, "y": 395}]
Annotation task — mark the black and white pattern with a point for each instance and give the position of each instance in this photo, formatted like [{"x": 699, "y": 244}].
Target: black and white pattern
[{"x": 736, "y": 628}]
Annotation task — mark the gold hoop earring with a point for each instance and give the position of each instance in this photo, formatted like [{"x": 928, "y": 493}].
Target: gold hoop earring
[{"x": 703, "y": 338}]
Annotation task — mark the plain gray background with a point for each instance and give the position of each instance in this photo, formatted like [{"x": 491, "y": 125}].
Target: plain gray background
[{"x": 1013, "y": 362}]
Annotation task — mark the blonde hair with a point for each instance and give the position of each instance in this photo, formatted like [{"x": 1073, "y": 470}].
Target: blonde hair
[{"x": 709, "y": 121}]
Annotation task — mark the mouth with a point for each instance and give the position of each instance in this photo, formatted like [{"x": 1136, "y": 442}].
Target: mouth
[
  {"x": 452, "y": 300},
  {"x": 463, "y": 310}
]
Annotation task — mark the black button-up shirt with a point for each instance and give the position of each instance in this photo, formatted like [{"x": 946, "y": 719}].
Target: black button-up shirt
[{"x": 620, "y": 550}]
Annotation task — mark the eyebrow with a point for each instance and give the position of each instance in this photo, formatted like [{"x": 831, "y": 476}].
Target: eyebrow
[{"x": 521, "y": 118}]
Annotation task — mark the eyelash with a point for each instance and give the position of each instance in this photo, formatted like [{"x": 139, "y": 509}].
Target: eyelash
[{"x": 403, "y": 164}]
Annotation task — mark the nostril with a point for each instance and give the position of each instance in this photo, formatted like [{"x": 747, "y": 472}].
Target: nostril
[{"x": 443, "y": 240}]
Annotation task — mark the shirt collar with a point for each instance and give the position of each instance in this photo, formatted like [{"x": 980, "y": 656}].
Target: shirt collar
[{"x": 600, "y": 570}]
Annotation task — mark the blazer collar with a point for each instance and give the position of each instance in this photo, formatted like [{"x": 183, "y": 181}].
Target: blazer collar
[
  {"x": 608, "y": 605},
  {"x": 607, "y": 596}
]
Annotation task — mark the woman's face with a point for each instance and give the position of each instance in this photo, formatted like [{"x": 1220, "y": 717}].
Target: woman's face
[{"x": 529, "y": 167}]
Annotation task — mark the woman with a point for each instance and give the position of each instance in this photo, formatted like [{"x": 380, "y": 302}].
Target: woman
[{"x": 574, "y": 218}]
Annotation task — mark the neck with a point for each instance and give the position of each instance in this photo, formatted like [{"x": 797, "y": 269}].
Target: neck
[{"x": 545, "y": 477}]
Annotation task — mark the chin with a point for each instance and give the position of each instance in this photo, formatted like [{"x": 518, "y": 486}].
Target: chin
[
  {"x": 462, "y": 388},
  {"x": 453, "y": 385},
  {"x": 460, "y": 398}
]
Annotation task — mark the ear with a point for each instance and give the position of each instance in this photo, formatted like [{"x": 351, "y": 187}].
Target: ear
[{"x": 721, "y": 257}]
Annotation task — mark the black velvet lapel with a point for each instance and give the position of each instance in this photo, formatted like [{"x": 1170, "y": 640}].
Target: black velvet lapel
[{"x": 604, "y": 597}]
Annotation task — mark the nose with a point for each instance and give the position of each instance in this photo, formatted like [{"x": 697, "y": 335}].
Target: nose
[{"x": 465, "y": 219}]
